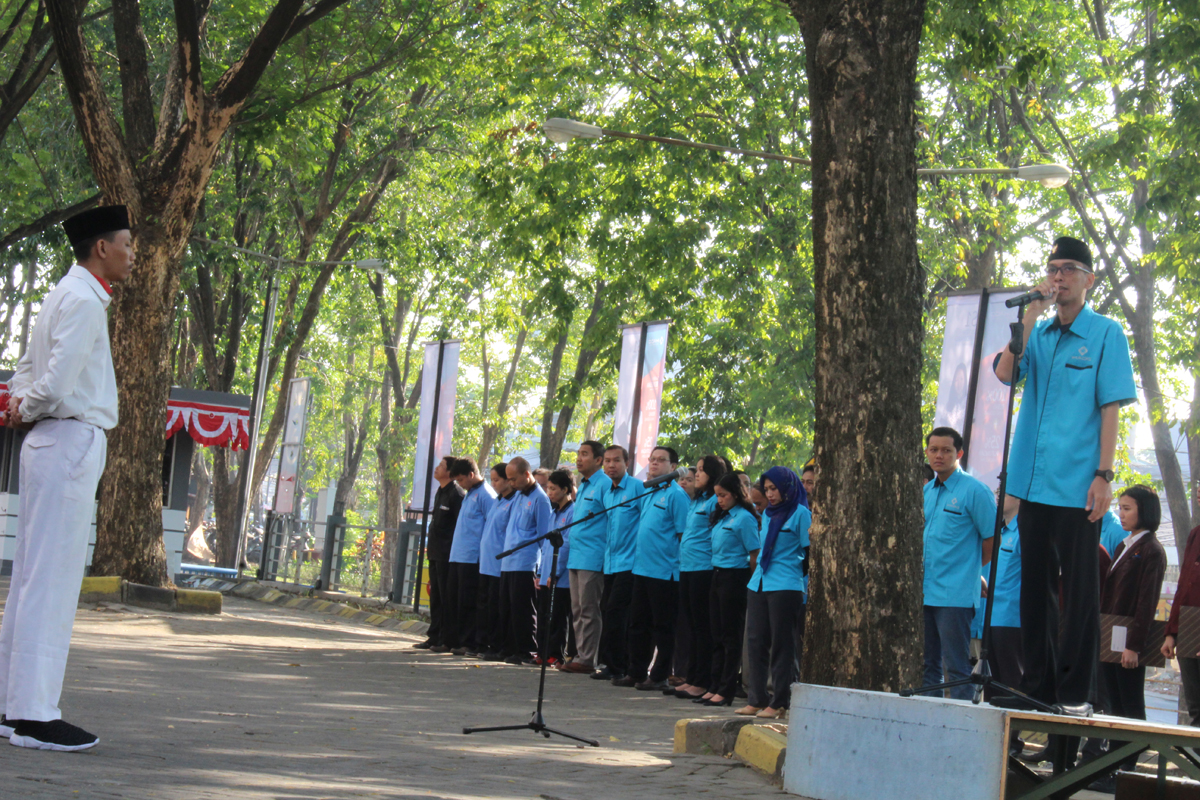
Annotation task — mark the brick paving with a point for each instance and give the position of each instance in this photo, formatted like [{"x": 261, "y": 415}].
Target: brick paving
[{"x": 269, "y": 702}]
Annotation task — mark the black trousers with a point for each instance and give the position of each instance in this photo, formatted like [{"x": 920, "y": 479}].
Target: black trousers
[
  {"x": 1004, "y": 656},
  {"x": 518, "y": 607},
  {"x": 652, "y": 614},
  {"x": 614, "y": 605},
  {"x": 462, "y": 593},
  {"x": 1060, "y": 654},
  {"x": 683, "y": 639},
  {"x": 1125, "y": 690},
  {"x": 553, "y": 624},
  {"x": 771, "y": 643},
  {"x": 727, "y": 612},
  {"x": 694, "y": 590},
  {"x": 490, "y": 626},
  {"x": 439, "y": 599}
]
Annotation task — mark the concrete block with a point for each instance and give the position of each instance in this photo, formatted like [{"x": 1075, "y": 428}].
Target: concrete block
[
  {"x": 197, "y": 601},
  {"x": 712, "y": 737},
  {"x": 847, "y": 744},
  {"x": 100, "y": 590},
  {"x": 149, "y": 596},
  {"x": 762, "y": 748}
]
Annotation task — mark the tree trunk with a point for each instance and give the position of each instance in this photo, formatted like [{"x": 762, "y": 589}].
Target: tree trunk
[
  {"x": 588, "y": 351},
  {"x": 864, "y": 612},
  {"x": 199, "y": 506},
  {"x": 593, "y": 419},
  {"x": 225, "y": 506},
  {"x": 491, "y": 431},
  {"x": 547, "y": 453}
]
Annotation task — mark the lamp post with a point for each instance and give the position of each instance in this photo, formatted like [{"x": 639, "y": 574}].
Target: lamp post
[
  {"x": 375, "y": 265},
  {"x": 561, "y": 131}
]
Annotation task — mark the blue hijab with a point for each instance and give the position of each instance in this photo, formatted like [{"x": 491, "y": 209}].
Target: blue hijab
[{"x": 792, "y": 495}]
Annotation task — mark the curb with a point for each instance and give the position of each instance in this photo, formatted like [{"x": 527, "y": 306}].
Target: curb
[
  {"x": 764, "y": 749},
  {"x": 709, "y": 737},
  {"x": 252, "y": 590},
  {"x": 117, "y": 590}
]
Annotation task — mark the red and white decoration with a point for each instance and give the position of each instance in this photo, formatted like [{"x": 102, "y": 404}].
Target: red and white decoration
[{"x": 209, "y": 424}]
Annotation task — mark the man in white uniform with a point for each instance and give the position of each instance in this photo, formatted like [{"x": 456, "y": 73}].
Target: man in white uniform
[{"x": 65, "y": 388}]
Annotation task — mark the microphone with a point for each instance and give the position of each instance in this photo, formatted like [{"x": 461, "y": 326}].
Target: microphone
[
  {"x": 670, "y": 476},
  {"x": 1026, "y": 299}
]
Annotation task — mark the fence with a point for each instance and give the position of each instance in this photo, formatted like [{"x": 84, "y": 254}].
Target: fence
[{"x": 333, "y": 555}]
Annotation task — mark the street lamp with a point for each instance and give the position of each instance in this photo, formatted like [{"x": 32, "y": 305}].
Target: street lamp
[
  {"x": 561, "y": 131},
  {"x": 375, "y": 265}
]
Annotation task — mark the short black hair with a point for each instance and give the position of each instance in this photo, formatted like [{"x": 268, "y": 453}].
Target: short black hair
[
  {"x": 1149, "y": 507},
  {"x": 501, "y": 469},
  {"x": 928, "y": 472},
  {"x": 83, "y": 249},
  {"x": 672, "y": 456},
  {"x": 596, "y": 448},
  {"x": 624, "y": 452},
  {"x": 813, "y": 468},
  {"x": 946, "y": 431},
  {"x": 463, "y": 466}
]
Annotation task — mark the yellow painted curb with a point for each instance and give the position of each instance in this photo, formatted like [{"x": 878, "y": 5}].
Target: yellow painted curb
[
  {"x": 197, "y": 600},
  {"x": 295, "y": 601},
  {"x": 681, "y": 728},
  {"x": 762, "y": 748},
  {"x": 347, "y": 612},
  {"x": 110, "y": 587}
]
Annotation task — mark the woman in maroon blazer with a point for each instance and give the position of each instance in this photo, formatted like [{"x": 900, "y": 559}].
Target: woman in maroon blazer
[
  {"x": 1132, "y": 589},
  {"x": 1188, "y": 594}
]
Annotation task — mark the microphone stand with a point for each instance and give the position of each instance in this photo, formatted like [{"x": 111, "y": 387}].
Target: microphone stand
[
  {"x": 537, "y": 723},
  {"x": 981, "y": 677}
]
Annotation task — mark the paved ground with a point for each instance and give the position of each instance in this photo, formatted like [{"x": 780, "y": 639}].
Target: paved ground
[{"x": 264, "y": 702}]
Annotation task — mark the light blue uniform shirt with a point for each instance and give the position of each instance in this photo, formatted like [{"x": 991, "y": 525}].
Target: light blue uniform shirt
[
  {"x": 622, "y": 523},
  {"x": 733, "y": 537},
  {"x": 530, "y": 518},
  {"x": 1111, "y": 533},
  {"x": 491, "y": 544},
  {"x": 959, "y": 515},
  {"x": 664, "y": 518},
  {"x": 695, "y": 549},
  {"x": 786, "y": 570},
  {"x": 472, "y": 518},
  {"x": 1006, "y": 595},
  {"x": 546, "y": 555},
  {"x": 589, "y": 539},
  {"x": 1068, "y": 377}
]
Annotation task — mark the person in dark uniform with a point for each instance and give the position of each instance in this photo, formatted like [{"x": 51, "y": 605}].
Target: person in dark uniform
[
  {"x": 1077, "y": 374},
  {"x": 446, "y": 504}
]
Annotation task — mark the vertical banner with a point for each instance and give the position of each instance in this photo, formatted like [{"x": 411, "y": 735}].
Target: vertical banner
[
  {"x": 958, "y": 353},
  {"x": 436, "y": 390},
  {"x": 991, "y": 396},
  {"x": 294, "y": 427},
  {"x": 639, "y": 393}
]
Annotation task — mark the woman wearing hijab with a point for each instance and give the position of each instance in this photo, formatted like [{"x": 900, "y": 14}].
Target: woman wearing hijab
[
  {"x": 775, "y": 603},
  {"x": 695, "y": 579}
]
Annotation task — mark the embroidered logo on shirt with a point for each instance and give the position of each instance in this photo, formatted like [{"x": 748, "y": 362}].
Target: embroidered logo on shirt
[
  {"x": 1083, "y": 351},
  {"x": 954, "y": 501}
]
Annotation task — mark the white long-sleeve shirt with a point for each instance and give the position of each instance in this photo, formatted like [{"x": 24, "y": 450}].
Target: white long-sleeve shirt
[{"x": 67, "y": 370}]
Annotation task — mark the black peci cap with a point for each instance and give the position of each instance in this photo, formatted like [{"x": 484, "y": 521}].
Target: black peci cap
[
  {"x": 1075, "y": 250},
  {"x": 95, "y": 222}
]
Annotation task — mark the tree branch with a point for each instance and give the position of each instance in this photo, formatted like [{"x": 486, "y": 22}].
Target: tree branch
[
  {"x": 137, "y": 106},
  {"x": 45, "y": 221}
]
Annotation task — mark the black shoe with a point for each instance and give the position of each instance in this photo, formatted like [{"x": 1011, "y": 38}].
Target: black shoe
[
  {"x": 728, "y": 701},
  {"x": 741, "y": 693},
  {"x": 701, "y": 700},
  {"x": 473, "y": 654},
  {"x": 1074, "y": 709},
  {"x": 52, "y": 735},
  {"x": 605, "y": 674},
  {"x": 459, "y": 651},
  {"x": 439, "y": 648},
  {"x": 494, "y": 655},
  {"x": 425, "y": 645},
  {"x": 514, "y": 660},
  {"x": 624, "y": 681},
  {"x": 669, "y": 690},
  {"x": 653, "y": 686}
]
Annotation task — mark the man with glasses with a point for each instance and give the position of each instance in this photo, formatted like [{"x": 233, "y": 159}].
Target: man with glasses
[{"x": 1077, "y": 375}]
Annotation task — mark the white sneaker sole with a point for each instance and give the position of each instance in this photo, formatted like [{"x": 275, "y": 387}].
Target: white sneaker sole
[
  {"x": 34, "y": 744},
  {"x": 6, "y": 731}
]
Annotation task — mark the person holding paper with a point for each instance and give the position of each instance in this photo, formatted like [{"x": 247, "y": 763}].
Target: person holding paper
[
  {"x": 1132, "y": 589},
  {"x": 1187, "y": 596}
]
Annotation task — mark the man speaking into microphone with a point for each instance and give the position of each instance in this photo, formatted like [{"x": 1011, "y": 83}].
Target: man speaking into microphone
[{"x": 1077, "y": 375}]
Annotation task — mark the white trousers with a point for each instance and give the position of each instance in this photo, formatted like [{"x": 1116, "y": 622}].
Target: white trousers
[{"x": 61, "y": 463}]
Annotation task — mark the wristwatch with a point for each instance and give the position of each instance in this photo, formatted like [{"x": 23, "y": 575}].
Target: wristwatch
[{"x": 1107, "y": 474}]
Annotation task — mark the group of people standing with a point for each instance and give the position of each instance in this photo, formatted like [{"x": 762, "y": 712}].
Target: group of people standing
[{"x": 655, "y": 585}]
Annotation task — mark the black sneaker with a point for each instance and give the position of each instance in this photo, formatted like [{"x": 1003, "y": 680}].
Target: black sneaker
[
  {"x": 624, "y": 681},
  {"x": 53, "y": 735},
  {"x": 425, "y": 645},
  {"x": 439, "y": 648},
  {"x": 458, "y": 651},
  {"x": 6, "y": 727}
]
